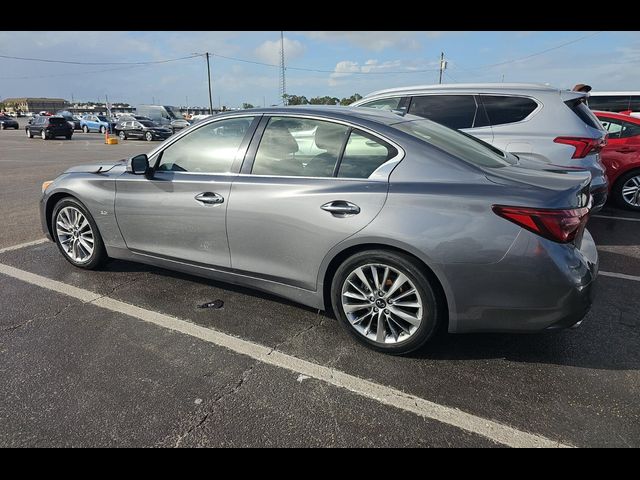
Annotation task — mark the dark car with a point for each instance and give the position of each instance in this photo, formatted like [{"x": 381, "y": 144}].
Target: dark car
[
  {"x": 145, "y": 129},
  {"x": 49, "y": 127},
  {"x": 68, "y": 116},
  {"x": 8, "y": 122}
]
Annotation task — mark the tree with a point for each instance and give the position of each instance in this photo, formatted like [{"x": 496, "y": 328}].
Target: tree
[
  {"x": 326, "y": 100},
  {"x": 246, "y": 105},
  {"x": 295, "y": 100},
  {"x": 353, "y": 98}
]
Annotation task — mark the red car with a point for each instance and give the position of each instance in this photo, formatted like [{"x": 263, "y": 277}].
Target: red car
[{"x": 621, "y": 157}]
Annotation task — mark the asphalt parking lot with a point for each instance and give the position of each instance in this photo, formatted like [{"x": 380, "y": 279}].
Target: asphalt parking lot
[{"x": 123, "y": 356}]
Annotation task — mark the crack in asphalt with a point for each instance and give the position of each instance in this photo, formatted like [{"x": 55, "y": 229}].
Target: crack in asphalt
[
  {"x": 13, "y": 328},
  {"x": 237, "y": 385},
  {"x": 301, "y": 332}
]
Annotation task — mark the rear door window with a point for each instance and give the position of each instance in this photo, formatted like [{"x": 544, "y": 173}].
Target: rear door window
[
  {"x": 453, "y": 111},
  {"x": 630, "y": 130},
  {"x": 363, "y": 154},
  {"x": 613, "y": 126},
  {"x": 502, "y": 109},
  {"x": 384, "y": 104}
]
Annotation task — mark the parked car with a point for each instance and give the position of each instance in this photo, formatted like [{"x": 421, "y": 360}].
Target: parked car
[
  {"x": 396, "y": 224},
  {"x": 49, "y": 127},
  {"x": 627, "y": 102},
  {"x": 72, "y": 119},
  {"x": 143, "y": 129},
  {"x": 621, "y": 157},
  {"x": 538, "y": 123},
  {"x": 164, "y": 115},
  {"x": 8, "y": 122},
  {"x": 96, "y": 123}
]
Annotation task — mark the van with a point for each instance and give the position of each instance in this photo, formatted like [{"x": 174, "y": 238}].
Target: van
[{"x": 165, "y": 115}]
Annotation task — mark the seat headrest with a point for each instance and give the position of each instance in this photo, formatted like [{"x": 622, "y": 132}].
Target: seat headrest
[
  {"x": 329, "y": 136},
  {"x": 277, "y": 140}
]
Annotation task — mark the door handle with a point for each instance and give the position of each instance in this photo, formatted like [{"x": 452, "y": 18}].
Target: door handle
[
  {"x": 209, "y": 198},
  {"x": 341, "y": 209}
]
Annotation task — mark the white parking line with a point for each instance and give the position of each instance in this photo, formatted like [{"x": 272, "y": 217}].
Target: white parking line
[
  {"x": 23, "y": 245},
  {"x": 620, "y": 275},
  {"x": 628, "y": 219},
  {"x": 490, "y": 429}
]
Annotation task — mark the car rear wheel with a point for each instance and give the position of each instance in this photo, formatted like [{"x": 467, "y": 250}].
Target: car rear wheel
[
  {"x": 43, "y": 134},
  {"x": 77, "y": 235},
  {"x": 68, "y": 137},
  {"x": 148, "y": 136},
  {"x": 627, "y": 190},
  {"x": 385, "y": 301},
  {"x": 103, "y": 130},
  {"x": 29, "y": 134},
  {"x": 123, "y": 135},
  {"x": 85, "y": 129},
  {"x": 3, "y": 126}
]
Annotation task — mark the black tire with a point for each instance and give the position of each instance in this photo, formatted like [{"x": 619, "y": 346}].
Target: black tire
[
  {"x": 17, "y": 127},
  {"x": 122, "y": 135},
  {"x": 85, "y": 129},
  {"x": 43, "y": 134},
  {"x": 148, "y": 136},
  {"x": 29, "y": 134},
  {"x": 617, "y": 190},
  {"x": 103, "y": 130},
  {"x": 99, "y": 256},
  {"x": 432, "y": 313},
  {"x": 68, "y": 137},
  {"x": 3, "y": 126}
]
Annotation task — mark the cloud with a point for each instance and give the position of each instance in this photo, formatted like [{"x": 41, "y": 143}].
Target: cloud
[
  {"x": 346, "y": 68},
  {"x": 269, "y": 51}
]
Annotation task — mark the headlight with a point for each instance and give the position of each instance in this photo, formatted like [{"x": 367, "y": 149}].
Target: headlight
[{"x": 46, "y": 184}]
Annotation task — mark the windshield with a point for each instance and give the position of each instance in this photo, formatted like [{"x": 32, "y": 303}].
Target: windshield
[
  {"x": 102, "y": 119},
  {"x": 457, "y": 143},
  {"x": 173, "y": 112}
]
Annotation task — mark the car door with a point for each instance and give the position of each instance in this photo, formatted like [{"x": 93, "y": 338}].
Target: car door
[
  {"x": 623, "y": 143},
  {"x": 299, "y": 195},
  {"x": 178, "y": 212}
]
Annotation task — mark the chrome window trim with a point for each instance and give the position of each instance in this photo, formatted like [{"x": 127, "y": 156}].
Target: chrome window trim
[{"x": 379, "y": 174}]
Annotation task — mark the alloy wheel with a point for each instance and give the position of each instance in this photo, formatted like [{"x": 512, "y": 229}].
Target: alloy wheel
[
  {"x": 382, "y": 304},
  {"x": 75, "y": 234},
  {"x": 631, "y": 191}
]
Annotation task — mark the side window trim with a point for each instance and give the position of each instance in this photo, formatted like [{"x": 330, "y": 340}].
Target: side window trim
[
  {"x": 380, "y": 174},
  {"x": 343, "y": 147}
]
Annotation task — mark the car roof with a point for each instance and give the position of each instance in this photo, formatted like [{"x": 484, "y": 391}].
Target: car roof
[
  {"x": 619, "y": 116},
  {"x": 336, "y": 112},
  {"x": 473, "y": 87}
]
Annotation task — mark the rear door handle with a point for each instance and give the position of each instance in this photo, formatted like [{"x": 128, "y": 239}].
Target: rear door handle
[
  {"x": 341, "y": 208},
  {"x": 209, "y": 198}
]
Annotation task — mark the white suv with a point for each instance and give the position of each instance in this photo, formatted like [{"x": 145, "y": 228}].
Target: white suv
[{"x": 538, "y": 123}]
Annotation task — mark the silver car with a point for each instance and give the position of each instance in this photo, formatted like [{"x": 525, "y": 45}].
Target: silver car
[
  {"x": 538, "y": 123},
  {"x": 397, "y": 224}
]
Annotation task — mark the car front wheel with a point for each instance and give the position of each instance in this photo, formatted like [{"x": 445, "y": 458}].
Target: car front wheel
[
  {"x": 76, "y": 234},
  {"x": 148, "y": 136},
  {"x": 123, "y": 135},
  {"x": 385, "y": 301},
  {"x": 29, "y": 134},
  {"x": 85, "y": 129},
  {"x": 103, "y": 130},
  {"x": 43, "y": 134}
]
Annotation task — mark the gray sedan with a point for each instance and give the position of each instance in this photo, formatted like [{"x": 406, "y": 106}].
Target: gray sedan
[{"x": 396, "y": 224}]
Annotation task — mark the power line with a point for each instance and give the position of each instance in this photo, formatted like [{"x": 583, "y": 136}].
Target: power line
[{"x": 69, "y": 62}]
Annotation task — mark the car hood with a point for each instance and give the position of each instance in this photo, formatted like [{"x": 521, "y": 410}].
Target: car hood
[{"x": 96, "y": 167}]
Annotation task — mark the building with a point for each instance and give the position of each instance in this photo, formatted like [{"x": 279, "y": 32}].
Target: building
[
  {"x": 99, "y": 108},
  {"x": 34, "y": 105}
]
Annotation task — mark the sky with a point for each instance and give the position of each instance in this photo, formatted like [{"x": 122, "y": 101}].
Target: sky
[{"x": 334, "y": 63}]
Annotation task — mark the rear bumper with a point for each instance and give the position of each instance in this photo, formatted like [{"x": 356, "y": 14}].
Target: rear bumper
[{"x": 539, "y": 285}]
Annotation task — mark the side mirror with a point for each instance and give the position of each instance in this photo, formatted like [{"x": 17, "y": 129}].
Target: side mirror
[{"x": 138, "y": 165}]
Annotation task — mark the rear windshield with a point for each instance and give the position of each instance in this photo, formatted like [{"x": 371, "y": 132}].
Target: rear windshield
[
  {"x": 578, "y": 107},
  {"x": 57, "y": 121},
  {"x": 458, "y": 144}
]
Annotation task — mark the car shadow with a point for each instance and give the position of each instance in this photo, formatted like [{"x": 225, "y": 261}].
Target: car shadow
[{"x": 606, "y": 345}]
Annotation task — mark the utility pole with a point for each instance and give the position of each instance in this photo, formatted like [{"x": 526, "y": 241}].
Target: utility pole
[
  {"x": 283, "y": 84},
  {"x": 443, "y": 66},
  {"x": 209, "y": 77}
]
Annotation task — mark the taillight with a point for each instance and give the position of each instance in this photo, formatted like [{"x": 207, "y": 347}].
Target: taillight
[
  {"x": 558, "y": 225},
  {"x": 583, "y": 146}
]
